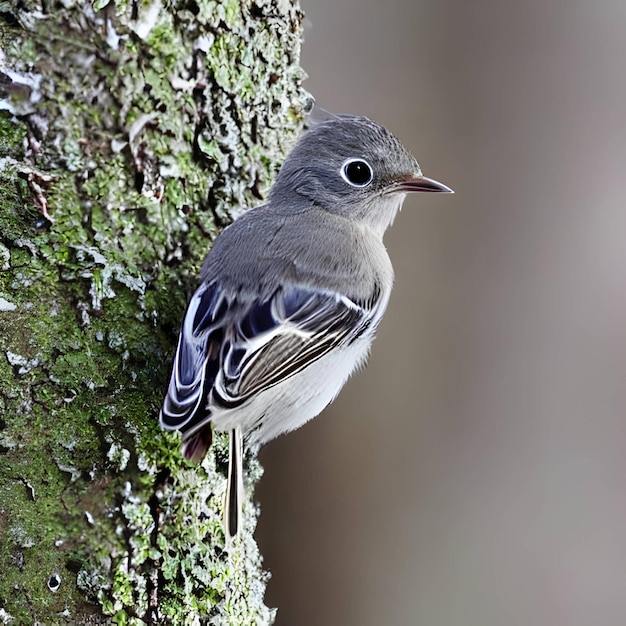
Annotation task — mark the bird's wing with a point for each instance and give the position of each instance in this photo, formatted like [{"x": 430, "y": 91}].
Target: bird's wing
[
  {"x": 197, "y": 358},
  {"x": 305, "y": 325},
  {"x": 231, "y": 351}
]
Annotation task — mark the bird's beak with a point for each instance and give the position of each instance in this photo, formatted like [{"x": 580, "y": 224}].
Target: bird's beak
[{"x": 420, "y": 183}]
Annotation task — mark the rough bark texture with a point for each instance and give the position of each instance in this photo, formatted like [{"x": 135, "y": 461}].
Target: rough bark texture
[{"x": 135, "y": 126}]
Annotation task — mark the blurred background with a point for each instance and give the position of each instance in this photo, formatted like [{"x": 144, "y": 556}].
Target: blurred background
[{"x": 475, "y": 473}]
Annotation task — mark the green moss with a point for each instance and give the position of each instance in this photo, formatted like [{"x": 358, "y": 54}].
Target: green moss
[
  {"x": 148, "y": 145},
  {"x": 12, "y": 134}
]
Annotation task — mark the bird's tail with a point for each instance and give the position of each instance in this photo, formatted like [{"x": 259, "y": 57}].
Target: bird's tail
[
  {"x": 234, "y": 487},
  {"x": 195, "y": 447}
]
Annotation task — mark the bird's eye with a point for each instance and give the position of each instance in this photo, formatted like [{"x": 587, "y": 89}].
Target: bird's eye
[{"x": 357, "y": 172}]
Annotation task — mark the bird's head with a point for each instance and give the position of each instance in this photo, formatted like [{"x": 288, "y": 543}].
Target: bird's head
[{"x": 353, "y": 167}]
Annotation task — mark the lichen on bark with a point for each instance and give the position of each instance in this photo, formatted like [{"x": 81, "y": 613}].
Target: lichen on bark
[{"x": 137, "y": 127}]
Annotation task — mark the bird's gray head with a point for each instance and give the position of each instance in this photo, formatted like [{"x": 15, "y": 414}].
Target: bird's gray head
[{"x": 350, "y": 166}]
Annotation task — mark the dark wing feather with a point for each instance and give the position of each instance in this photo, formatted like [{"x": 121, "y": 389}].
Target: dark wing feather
[
  {"x": 307, "y": 324},
  {"x": 229, "y": 351},
  {"x": 197, "y": 359}
]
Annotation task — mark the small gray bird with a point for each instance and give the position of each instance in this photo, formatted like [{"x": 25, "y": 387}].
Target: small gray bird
[{"x": 290, "y": 295}]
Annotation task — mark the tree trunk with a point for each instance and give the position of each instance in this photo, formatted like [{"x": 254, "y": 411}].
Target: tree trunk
[{"x": 134, "y": 127}]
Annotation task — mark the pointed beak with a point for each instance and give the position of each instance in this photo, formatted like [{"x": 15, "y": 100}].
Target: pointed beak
[{"x": 420, "y": 183}]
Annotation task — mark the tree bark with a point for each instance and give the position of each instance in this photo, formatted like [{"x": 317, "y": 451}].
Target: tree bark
[{"x": 127, "y": 132}]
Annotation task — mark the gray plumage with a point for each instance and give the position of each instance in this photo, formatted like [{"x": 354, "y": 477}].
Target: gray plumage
[{"x": 291, "y": 294}]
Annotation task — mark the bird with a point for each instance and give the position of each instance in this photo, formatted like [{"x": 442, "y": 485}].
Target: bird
[{"x": 290, "y": 295}]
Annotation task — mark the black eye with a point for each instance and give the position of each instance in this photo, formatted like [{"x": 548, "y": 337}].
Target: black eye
[{"x": 357, "y": 172}]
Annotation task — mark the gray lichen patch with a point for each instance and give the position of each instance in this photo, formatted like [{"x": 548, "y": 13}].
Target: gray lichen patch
[{"x": 139, "y": 128}]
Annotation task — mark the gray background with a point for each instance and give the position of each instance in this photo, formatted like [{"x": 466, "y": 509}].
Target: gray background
[{"x": 475, "y": 472}]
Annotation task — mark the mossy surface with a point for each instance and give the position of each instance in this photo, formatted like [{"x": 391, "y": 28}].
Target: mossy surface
[{"x": 136, "y": 127}]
